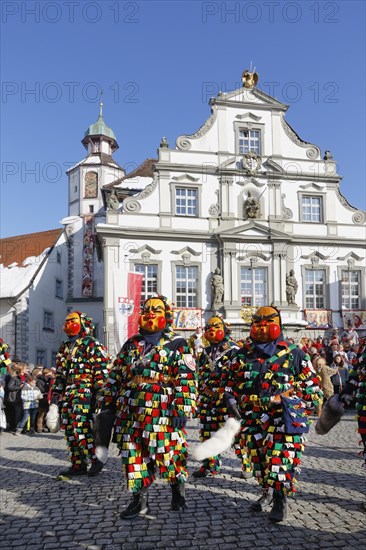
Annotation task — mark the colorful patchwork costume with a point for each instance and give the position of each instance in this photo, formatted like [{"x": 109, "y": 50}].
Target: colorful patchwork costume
[
  {"x": 356, "y": 386},
  {"x": 275, "y": 386},
  {"x": 212, "y": 414},
  {"x": 81, "y": 369},
  {"x": 5, "y": 360},
  {"x": 153, "y": 387}
]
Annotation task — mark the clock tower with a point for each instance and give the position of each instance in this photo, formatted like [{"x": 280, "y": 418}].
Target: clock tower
[
  {"x": 97, "y": 169},
  {"x": 85, "y": 211}
]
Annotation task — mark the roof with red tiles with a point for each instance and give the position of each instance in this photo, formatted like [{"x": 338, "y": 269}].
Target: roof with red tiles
[
  {"x": 145, "y": 170},
  {"x": 19, "y": 248}
]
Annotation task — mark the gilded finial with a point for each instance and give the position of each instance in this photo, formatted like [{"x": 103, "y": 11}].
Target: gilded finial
[{"x": 249, "y": 79}]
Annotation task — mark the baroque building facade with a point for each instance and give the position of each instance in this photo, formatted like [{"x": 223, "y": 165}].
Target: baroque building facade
[
  {"x": 246, "y": 199},
  {"x": 239, "y": 214}
]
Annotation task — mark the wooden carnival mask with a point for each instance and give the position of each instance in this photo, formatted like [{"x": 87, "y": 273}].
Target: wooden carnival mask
[
  {"x": 72, "y": 325},
  {"x": 214, "y": 330},
  {"x": 152, "y": 318},
  {"x": 266, "y": 325}
]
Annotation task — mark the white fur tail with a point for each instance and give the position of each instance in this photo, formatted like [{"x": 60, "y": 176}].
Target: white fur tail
[
  {"x": 53, "y": 419},
  {"x": 218, "y": 442},
  {"x": 102, "y": 453}
]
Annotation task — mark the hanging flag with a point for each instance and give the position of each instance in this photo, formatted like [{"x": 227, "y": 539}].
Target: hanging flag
[
  {"x": 127, "y": 296},
  {"x": 134, "y": 286}
]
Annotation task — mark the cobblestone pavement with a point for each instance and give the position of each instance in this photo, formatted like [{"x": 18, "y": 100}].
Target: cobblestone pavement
[{"x": 40, "y": 512}]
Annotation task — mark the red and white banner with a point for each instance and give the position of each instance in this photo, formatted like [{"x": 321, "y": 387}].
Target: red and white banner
[{"x": 127, "y": 296}]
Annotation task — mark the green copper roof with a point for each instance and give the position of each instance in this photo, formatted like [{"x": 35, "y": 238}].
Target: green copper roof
[{"x": 100, "y": 128}]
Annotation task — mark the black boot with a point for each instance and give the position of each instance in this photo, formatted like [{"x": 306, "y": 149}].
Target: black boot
[
  {"x": 178, "y": 496},
  {"x": 71, "y": 472},
  {"x": 137, "y": 507},
  {"x": 279, "y": 508},
  {"x": 95, "y": 468},
  {"x": 201, "y": 472},
  {"x": 264, "y": 500}
]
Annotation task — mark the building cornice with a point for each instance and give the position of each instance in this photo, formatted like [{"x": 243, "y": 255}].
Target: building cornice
[
  {"x": 208, "y": 169},
  {"x": 114, "y": 231}
]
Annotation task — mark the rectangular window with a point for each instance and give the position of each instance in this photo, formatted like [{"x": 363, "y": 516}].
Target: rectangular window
[
  {"x": 314, "y": 288},
  {"x": 149, "y": 280},
  {"x": 48, "y": 320},
  {"x": 58, "y": 257},
  {"x": 350, "y": 285},
  {"x": 59, "y": 289},
  {"x": 312, "y": 209},
  {"x": 186, "y": 201},
  {"x": 253, "y": 286},
  {"x": 186, "y": 286},
  {"x": 41, "y": 357},
  {"x": 53, "y": 358},
  {"x": 250, "y": 140}
]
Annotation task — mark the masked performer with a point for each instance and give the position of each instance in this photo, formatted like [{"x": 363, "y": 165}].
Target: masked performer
[
  {"x": 153, "y": 387},
  {"x": 212, "y": 414},
  {"x": 81, "y": 369},
  {"x": 276, "y": 387},
  {"x": 356, "y": 388}
]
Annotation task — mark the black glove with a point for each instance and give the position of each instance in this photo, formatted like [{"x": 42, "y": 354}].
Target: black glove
[
  {"x": 179, "y": 422},
  {"x": 232, "y": 405},
  {"x": 230, "y": 400},
  {"x": 345, "y": 398},
  {"x": 55, "y": 399}
]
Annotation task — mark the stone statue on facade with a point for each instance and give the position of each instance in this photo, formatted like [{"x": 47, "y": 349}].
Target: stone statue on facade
[
  {"x": 164, "y": 143},
  {"x": 328, "y": 155},
  {"x": 217, "y": 283},
  {"x": 112, "y": 201},
  {"x": 251, "y": 206},
  {"x": 291, "y": 288}
]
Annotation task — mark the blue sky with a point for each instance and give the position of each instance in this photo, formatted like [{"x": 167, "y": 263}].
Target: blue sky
[{"x": 158, "y": 63}]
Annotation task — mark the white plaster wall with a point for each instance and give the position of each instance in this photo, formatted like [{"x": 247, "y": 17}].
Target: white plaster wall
[{"x": 42, "y": 297}]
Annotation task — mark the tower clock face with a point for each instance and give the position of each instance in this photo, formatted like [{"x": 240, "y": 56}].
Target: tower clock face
[{"x": 91, "y": 185}]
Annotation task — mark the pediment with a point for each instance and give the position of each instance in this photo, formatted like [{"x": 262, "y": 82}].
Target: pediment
[
  {"x": 249, "y": 116},
  {"x": 249, "y": 96},
  {"x": 314, "y": 257},
  {"x": 146, "y": 248},
  {"x": 350, "y": 256},
  {"x": 273, "y": 166},
  {"x": 229, "y": 163},
  {"x": 250, "y": 181},
  {"x": 312, "y": 187},
  {"x": 253, "y": 256},
  {"x": 186, "y": 249},
  {"x": 185, "y": 177},
  {"x": 254, "y": 230}
]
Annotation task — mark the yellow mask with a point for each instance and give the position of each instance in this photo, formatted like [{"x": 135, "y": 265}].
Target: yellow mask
[{"x": 152, "y": 318}]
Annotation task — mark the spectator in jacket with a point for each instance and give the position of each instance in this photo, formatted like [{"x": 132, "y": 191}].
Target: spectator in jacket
[
  {"x": 43, "y": 381},
  {"x": 30, "y": 396},
  {"x": 14, "y": 382},
  {"x": 339, "y": 379}
]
